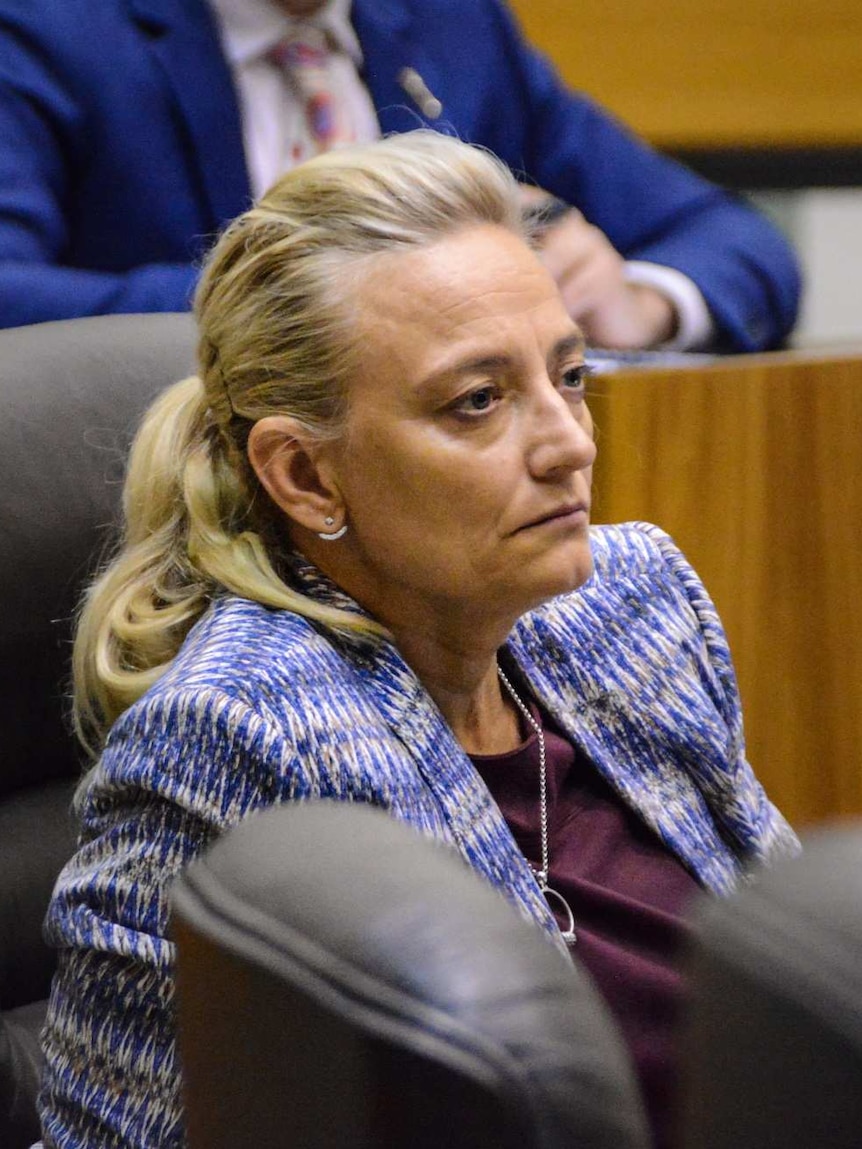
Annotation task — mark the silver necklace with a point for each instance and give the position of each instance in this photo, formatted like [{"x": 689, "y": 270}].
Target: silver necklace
[{"x": 552, "y": 896}]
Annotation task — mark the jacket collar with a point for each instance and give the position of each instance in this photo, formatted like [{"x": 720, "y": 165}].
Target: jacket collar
[{"x": 249, "y": 28}]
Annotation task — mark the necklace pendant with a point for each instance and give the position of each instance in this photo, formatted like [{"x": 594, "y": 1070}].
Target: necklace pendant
[{"x": 556, "y": 901}]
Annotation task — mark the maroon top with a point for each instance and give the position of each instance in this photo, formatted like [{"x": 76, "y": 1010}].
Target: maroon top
[{"x": 627, "y": 892}]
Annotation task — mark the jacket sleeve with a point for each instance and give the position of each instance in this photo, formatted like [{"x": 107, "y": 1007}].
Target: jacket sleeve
[
  {"x": 174, "y": 775},
  {"x": 650, "y": 207},
  {"x": 44, "y": 140}
]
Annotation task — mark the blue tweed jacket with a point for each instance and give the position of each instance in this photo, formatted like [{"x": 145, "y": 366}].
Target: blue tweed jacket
[{"x": 262, "y": 707}]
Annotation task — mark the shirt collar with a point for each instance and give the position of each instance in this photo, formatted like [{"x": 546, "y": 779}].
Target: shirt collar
[{"x": 249, "y": 28}]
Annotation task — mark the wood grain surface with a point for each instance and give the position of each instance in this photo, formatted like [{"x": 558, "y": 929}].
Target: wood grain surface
[
  {"x": 755, "y": 467},
  {"x": 713, "y": 73}
]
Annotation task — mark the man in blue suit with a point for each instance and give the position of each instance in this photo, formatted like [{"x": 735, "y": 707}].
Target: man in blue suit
[{"x": 124, "y": 148}]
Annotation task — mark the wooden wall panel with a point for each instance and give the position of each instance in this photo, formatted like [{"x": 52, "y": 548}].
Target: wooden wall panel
[
  {"x": 755, "y": 467},
  {"x": 713, "y": 73}
]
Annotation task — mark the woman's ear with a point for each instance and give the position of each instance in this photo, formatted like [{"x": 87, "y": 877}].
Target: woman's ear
[{"x": 295, "y": 471}]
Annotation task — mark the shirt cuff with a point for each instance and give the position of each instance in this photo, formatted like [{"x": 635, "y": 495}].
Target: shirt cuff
[{"x": 695, "y": 328}]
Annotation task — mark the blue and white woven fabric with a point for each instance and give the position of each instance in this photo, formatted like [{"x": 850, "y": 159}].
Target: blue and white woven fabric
[{"x": 262, "y": 707}]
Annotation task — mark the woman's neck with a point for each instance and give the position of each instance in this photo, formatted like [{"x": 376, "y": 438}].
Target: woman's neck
[
  {"x": 450, "y": 646},
  {"x": 466, "y": 687}
]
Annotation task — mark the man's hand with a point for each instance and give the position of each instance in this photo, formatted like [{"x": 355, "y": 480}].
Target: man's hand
[{"x": 590, "y": 274}]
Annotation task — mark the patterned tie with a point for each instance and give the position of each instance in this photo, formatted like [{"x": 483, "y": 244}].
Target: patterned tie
[{"x": 305, "y": 56}]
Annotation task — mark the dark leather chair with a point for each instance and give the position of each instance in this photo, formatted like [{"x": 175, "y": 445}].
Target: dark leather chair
[
  {"x": 773, "y": 1054},
  {"x": 70, "y": 393},
  {"x": 344, "y": 983}
]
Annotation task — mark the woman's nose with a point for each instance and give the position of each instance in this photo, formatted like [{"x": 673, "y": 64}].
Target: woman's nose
[{"x": 562, "y": 436}]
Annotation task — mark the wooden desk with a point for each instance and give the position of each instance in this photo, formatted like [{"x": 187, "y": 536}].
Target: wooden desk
[
  {"x": 713, "y": 73},
  {"x": 755, "y": 467}
]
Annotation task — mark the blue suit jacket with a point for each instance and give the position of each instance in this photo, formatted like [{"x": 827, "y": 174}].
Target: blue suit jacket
[
  {"x": 261, "y": 707},
  {"x": 121, "y": 155}
]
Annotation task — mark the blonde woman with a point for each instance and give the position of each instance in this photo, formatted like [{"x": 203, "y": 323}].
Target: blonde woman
[{"x": 357, "y": 564}]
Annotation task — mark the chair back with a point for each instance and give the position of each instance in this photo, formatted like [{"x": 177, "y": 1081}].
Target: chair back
[
  {"x": 344, "y": 981},
  {"x": 72, "y": 393},
  {"x": 773, "y": 1051}
]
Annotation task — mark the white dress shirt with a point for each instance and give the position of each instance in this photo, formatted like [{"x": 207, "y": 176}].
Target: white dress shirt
[{"x": 273, "y": 119}]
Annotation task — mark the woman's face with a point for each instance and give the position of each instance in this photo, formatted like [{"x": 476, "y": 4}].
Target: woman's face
[{"x": 466, "y": 468}]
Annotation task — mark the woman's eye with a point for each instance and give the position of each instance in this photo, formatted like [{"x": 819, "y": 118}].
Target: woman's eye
[
  {"x": 478, "y": 401},
  {"x": 575, "y": 378}
]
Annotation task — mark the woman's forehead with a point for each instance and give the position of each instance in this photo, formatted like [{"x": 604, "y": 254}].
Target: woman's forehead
[{"x": 467, "y": 279}]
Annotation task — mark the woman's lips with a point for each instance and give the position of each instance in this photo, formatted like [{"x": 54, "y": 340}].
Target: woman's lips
[{"x": 570, "y": 515}]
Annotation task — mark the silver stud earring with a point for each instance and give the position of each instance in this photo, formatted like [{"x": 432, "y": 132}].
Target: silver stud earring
[{"x": 330, "y": 536}]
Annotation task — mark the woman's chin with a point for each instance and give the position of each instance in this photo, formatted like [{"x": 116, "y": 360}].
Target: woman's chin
[
  {"x": 572, "y": 565},
  {"x": 559, "y": 579},
  {"x": 575, "y": 578}
]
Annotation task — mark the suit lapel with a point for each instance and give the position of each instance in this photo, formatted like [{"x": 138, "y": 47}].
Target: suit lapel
[
  {"x": 389, "y": 45},
  {"x": 651, "y": 760},
  {"x": 183, "y": 40}
]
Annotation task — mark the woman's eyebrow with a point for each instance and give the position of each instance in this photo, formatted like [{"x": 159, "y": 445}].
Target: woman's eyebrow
[
  {"x": 564, "y": 347},
  {"x": 470, "y": 365}
]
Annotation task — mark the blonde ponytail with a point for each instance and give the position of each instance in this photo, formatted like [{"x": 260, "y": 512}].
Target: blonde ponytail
[{"x": 187, "y": 537}]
